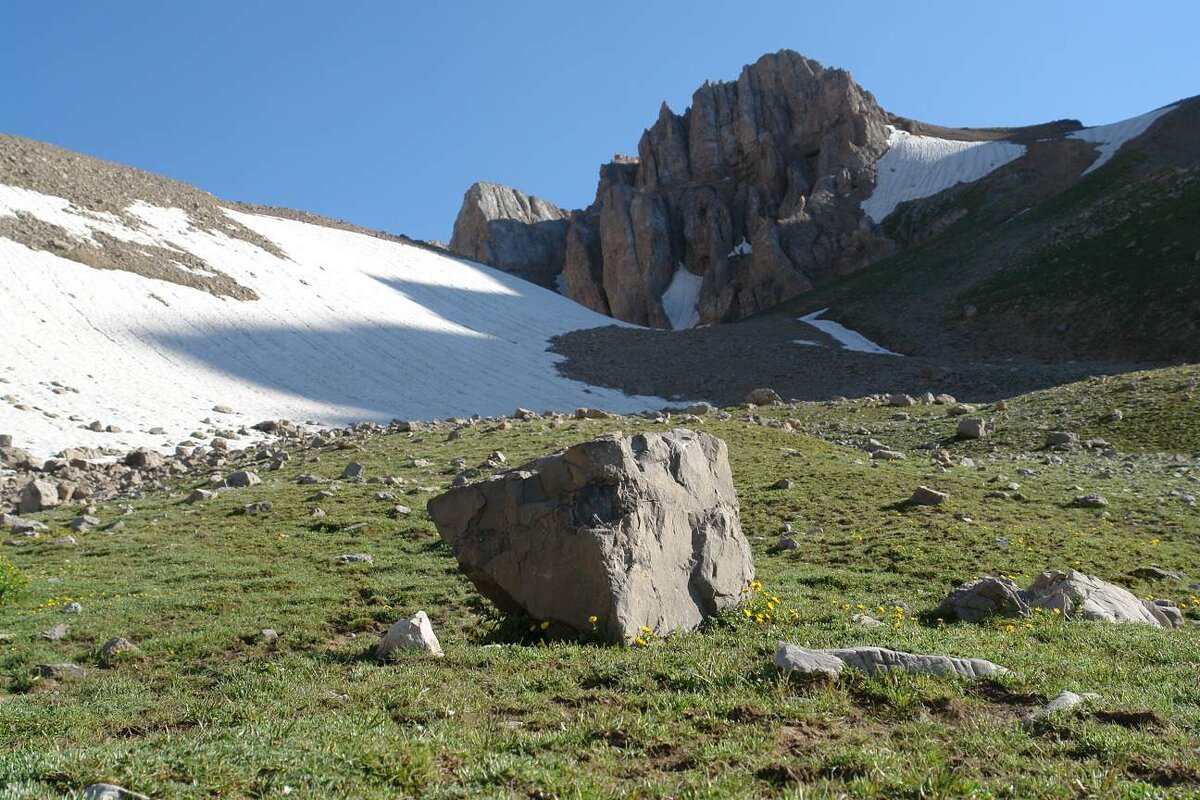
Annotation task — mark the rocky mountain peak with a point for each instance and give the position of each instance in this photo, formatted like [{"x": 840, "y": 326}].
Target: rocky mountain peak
[{"x": 753, "y": 191}]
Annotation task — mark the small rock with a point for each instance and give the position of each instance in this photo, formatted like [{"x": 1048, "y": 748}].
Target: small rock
[
  {"x": 269, "y": 636},
  {"x": 783, "y": 483},
  {"x": 57, "y": 633},
  {"x": 354, "y": 558},
  {"x": 242, "y": 479},
  {"x": 74, "y": 607},
  {"x": 1091, "y": 500},
  {"x": 866, "y": 621},
  {"x": 59, "y": 671},
  {"x": 65, "y": 541},
  {"x": 1060, "y": 439},
  {"x": 353, "y": 470},
  {"x": 116, "y": 647},
  {"x": 764, "y": 397},
  {"x": 257, "y": 508},
  {"x": 924, "y": 496},
  {"x": 317, "y": 513},
  {"x": 971, "y": 428},
  {"x": 1065, "y": 701},
  {"x": 109, "y": 791},
  {"x": 884, "y": 454},
  {"x": 410, "y": 633},
  {"x": 786, "y": 543},
  {"x": 200, "y": 495}
]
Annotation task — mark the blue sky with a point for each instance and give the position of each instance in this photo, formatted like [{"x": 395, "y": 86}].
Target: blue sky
[{"x": 383, "y": 113}]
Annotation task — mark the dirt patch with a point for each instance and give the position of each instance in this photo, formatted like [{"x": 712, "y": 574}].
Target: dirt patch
[
  {"x": 1172, "y": 773},
  {"x": 1130, "y": 719}
]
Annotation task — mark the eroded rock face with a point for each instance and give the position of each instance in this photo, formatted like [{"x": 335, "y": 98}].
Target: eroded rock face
[
  {"x": 755, "y": 188},
  {"x": 638, "y": 532},
  {"x": 512, "y": 231}
]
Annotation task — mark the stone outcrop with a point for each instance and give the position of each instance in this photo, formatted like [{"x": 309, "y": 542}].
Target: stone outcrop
[
  {"x": 616, "y": 535},
  {"x": 755, "y": 188},
  {"x": 512, "y": 231}
]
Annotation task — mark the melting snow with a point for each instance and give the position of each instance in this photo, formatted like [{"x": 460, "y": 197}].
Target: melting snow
[
  {"x": 681, "y": 300},
  {"x": 851, "y": 340},
  {"x": 920, "y": 166},
  {"x": 349, "y": 328},
  {"x": 743, "y": 248},
  {"x": 1111, "y": 138}
]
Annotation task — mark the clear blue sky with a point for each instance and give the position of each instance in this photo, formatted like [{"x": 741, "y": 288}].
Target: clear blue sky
[{"x": 382, "y": 113}]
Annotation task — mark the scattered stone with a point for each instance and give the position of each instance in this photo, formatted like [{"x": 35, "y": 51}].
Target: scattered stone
[
  {"x": 37, "y": 495},
  {"x": 57, "y": 633},
  {"x": 883, "y": 454},
  {"x": 258, "y": 508},
  {"x": 764, "y": 397},
  {"x": 143, "y": 458},
  {"x": 900, "y": 400},
  {"x": 639, "y": 530},
  {"x": 866, "y": 621},
  {"x": 1154, "y": 573},
  {"x": 59, "y": 671},
  {"x": 1113, "y": 415},
  {"x": 117, "y": 647},
  {"x": 74, "y": 607},
  {"x": 242, "y": 479},
  {"x": 972, "y": 428},
  {"x": 269, "y": 636},
  {"x": 109, "y": 791},
  {"x": 699, "y": 409},
  {"x": 786, "y": 543},
  {"x": 924, "y": 496},
  {"x": 1061, "y": 439},
  {"x": 353, "y": 470},
  {"x": 410, "y": 633},
  {"x": 65, "y": 541},
  {"x": 401, "y": 511},
  {"x": 317, "y": 513},
  {"x": 783, "y": 483},
  {"x": 200, "y": 495},
  {"x": 355, "y": 558},
  {"x": 83, "y": 522},
  {"x": 1091, "y": 500},
  {"x": 1065, "y": 701}
]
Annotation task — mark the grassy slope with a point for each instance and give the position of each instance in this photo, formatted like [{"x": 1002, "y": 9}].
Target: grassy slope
[
  {"x": 1112, "y": 256},
  {"x": 211, "y": 711}
]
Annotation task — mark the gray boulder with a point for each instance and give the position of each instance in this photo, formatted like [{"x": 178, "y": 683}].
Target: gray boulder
[
  {"x": 1080, "y": 596},
  {"x": 637, "y": 531},
  {"x": 983, "y": 597},
  {"x": 924, "y": 496},
  {"x": 37, "y": 496},
  {"x": 110, "y": 791},
  {"x": 971, "y": 428},
  {"x": 242, "y": 479}
]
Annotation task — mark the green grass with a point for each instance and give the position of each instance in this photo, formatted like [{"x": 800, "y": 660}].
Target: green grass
[{"x": 209, "y": 710}]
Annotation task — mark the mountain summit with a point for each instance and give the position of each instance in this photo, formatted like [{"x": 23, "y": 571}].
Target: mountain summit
[{"x": 786, "y": 181}]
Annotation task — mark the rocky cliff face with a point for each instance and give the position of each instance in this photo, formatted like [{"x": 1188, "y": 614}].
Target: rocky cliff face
[
  {"x": 755, "y": 189},
  {"x": 512, "y": 231}
]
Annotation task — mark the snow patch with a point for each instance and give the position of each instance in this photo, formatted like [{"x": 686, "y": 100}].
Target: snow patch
[
  {"x": 920, "y": 166},
  {"x": 807, "y": 342},
  {"x": 743, "y": 248},
  {"x": 348, "y": 328},
  {"x": 851, "y": 340},
  {"x": 681, "y": 300},
  {"x": 1111, "y": 138}
]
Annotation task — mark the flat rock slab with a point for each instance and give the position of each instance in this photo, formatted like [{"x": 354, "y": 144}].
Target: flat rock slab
[
  {"x": 792, "y": 658},
  {"x": 636, "y": 531}
]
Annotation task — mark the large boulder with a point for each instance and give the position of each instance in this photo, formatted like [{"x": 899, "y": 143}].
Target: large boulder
[
  {"x": 982, "y": 597},
  {"x": 830, "y": 662},
  {"x": 636, "y": 531},
  {"x": 1080, "y": 596},
  {"x": 37, "y": 496}
]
